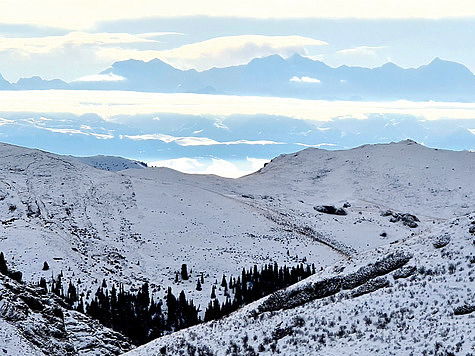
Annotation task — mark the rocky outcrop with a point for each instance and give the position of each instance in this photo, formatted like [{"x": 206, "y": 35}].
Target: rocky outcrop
[
  {"x": 441, "y": 241},
  {"x": 329, "y": 209},
  {"x": 464, "y": 309},
  {"x": 365, "y": 276},
  {"x": 406, "y": 218},
  {"x": 48, "y": 323}
]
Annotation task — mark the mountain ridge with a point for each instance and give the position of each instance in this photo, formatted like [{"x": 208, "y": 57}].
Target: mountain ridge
[{"x": 296, "y": 76}]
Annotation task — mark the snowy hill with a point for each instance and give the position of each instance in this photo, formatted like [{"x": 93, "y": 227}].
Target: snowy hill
[
  {"x": 111, "y": 163},
  {"x": 141, "y": 225},
  {"x": 414, "y": 297}
]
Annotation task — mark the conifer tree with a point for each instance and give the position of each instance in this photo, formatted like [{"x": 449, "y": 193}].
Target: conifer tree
[
  {"x": 42, "y": 284},
  {"x": 3, "y": 264},
  {"x": 184, "y": 272}
]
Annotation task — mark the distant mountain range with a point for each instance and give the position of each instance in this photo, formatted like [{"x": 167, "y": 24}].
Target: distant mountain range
[{"x": 297, "y": 76}]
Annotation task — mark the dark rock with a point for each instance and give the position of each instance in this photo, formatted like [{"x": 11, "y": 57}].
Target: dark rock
[
  {"x": 407, "y": 219},
  {"x": 42, "y": 319},
  {"x": 371, "y": 286},
  {"x": 441, "y": 241},
  {"x": 280, "y": 333},
  {"x": 35, "y": 304},
  {"x": 404, "y": 272},
  {"x": 329, "y": 209},
  {"x": 472, "y": 229},
  {"x": 286, "y": 299},
  {"x": 464, "y": 309}
]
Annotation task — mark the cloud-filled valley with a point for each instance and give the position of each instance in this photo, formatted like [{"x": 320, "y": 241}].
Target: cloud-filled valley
[{"x": 230, "y": 136}]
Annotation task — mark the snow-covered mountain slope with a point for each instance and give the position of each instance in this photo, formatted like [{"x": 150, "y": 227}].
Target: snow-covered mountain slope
[
  {"x": 111, "y": 163},
  {"x": 33, "y": 322},
  {"x": 133, "y": 226},
  {"x": 140, "y": 225},
  {"x": 413, "y": 297},
  {"x": 405, "y": 175}
]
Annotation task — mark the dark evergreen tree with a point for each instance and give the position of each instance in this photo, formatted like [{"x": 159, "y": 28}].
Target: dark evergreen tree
[
  {"x": 45, "y": 266},
  {"x": 3, "y": 264},
  {"x": 171, "y": 307},
  {"x": 80, "y": 306},
  {"x": 42, "y": 284},
  {"x": 71, "y": 296},
  {"x": 184, "y": 272}
]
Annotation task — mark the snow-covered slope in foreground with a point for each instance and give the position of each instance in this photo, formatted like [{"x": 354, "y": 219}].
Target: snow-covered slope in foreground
[
  {"x": 140, "y": 225},
  {"x": 413, "y": 297}
]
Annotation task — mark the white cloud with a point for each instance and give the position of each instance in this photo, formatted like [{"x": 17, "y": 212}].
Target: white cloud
[
  {"x": 47, "y": 44},
  {"x": 305, "y": 79},
  {"x": 361, "y": 51},
  {"x": 184, "y": 164},
  {"x": 196, "y": 141},
  {"x": 65, "y": 131},
  {"x": 212, "y": 165},
  {"x": 4, "y": 121},
  {"x": 51, "y": 56},
  {"x": 317, "y": 145},
  {"x": 80, "y": 14},
  {"x": 224, "y": 168},
  {"x": 110, "y": 104},
  {"x": 218, "y": 52},
  {"x": 109, "y": 77},
  {"x": 102, "y": 136},
  {"x": 257, "y": 163},
  {"x": 77, "y": 132}
]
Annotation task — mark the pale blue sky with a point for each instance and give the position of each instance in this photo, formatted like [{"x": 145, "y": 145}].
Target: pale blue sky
[{"x": 72, "y": 39}]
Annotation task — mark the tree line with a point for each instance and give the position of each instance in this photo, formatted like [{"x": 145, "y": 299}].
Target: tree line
[
  {"x": 140, "y": 317},
  {"x": 253, "y": 285}
]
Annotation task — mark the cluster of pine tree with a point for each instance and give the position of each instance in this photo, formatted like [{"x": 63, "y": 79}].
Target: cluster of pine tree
[
  {"x": 134, "y": 315},
  {"x": 253, "y": 285},
  {"x": 139, "y": 317}
]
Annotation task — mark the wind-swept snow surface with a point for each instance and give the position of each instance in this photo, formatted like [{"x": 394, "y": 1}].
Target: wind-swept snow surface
[
  {"x": 409, "y": 298},
  {"x": 141, "y": 225}
]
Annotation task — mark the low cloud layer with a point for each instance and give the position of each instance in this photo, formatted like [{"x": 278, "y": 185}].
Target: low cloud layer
[
  {"x": 109, "y": 77},
  {"x": 217, "y": 166},
  {"x": 305, "y": 79},
  {"x": 109, "y": 104},
  {"x": 196, "y": 141}
]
